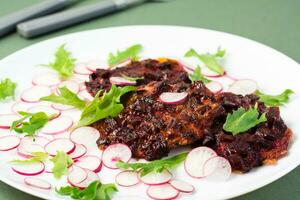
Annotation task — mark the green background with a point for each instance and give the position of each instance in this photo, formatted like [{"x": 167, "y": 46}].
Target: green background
[{"x": 275, "y": 23}]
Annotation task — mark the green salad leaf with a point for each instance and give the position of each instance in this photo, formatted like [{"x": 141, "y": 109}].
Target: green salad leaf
[
  {"x": 66, "y": 97},
  {"x": 108, "y": 105},
  {"x": 275, "y": 100},
  {"x": 210, "y": 60},
  {"x": 64, "y": 62},
  {"x": 30, "y": 123},
  {"x": 36, "y": 157},
  {"x": 156, "y": 166},
  {"x": 61, "y": 163},
  {"x": 95, "y": 191},
  {"x": 7, "y": 88},
  {"x": 242, "y": 120},
  {"x": 198, "y": 76},
  {"x": 129, "y": 53},
  {"x": 132, "y": 78}
]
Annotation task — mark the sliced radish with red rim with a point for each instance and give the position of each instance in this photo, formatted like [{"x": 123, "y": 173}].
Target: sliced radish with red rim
[
  {"x": 127, "y": 178},
  {"x": 57, "y": 125},
  {"x": 182, "y": 186},
  {"x": 214, "y": 86},
  {"x": 46, "y": 79},
  {"x": 243, "y": 87},
  {"x": 173, "y": 97},
  {"x": 6, "y": 120},
  {"x": 92, "y": 65},
  {"x": 196, "y": 159},
  {"x": 27, "y": 150},
  {"x": 77, "y": 175},
  {"x": 31, "y": 169},
  {"x": 46, "y": 109},
  {"x": 217, "y": 169},
  {"x": 61, "y": 107},
  {"x": 156, "y": 178},
  {"x": 34, "y": 93},
  {"x": 209, "y": 73},
  {"x": 71, "y": 85},
  {"x": 9, "y": 142},
  {"x": 80, "y": 150},
  {"x": 85, "y": 135},
  {"x": 85, "y": 95},
  {"x": 37, "y": 183},
  {"x": 92, "y": 163},
  {"x": 39, "y": 140},
  {"x": 80, "y": 68},
  {"x": 162, "y": 192},
  {"x": 91, "y": 177},
  {"x": 117, "y": 80},
  {"x": 22, "y": 106},
  {"x": 115, "y": 152},
  {"x": 61, "y": 144}
]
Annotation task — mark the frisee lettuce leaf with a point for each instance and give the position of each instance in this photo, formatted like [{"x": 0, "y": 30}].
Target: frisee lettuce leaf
[
  {"x": 242, "y": 120},
  {"x": 129, "y": 53},
  {"x": 108, "y": 105},
  {"x": 61, "y": 162},
  {"x": 198, "y": 76},
  {"x": 95, "y": 191},
  {"x": 275, "y": 100},
  {"x": 64, "y": 62},
  {"x": 156, "y": 166},
  {"x": 210, "y": 60},
  {"x": 7, "y": 88},
  {"x": 36, "y": 157},
  {"x": 66, "y": 97},
  {"x": 132, "y": 78},
  {"x": 30, "y": 123}
]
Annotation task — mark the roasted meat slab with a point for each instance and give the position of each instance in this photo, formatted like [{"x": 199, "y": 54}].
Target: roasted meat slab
[{"x": 152, "y": 128}]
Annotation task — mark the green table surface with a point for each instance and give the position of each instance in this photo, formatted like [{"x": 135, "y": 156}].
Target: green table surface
[{"x": 275, "y": 23}]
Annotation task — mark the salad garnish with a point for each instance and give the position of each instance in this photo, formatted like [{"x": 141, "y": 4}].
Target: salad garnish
[
  {"x": 36, "y": 157},
  {"x": 198, "y": 76},
  {"x": 61, "y": 163},
  {"x": 275, "y": 100},
  {"x": 132, "y": 78},
  {"x": 129, "y": 53},
  {"x": 7, "y": 88}
]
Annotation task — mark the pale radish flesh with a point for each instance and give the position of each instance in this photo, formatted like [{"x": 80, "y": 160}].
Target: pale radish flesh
[
  {"x": 196, "y": 159},
  {"x": 85, "y": 135},
  {"x": 120, "y": 81},
  {"x": 214, "y": 86},
  {"x": 61, "y": 107},
  {"x": 127, "y": 178},
  {"x": 49, "y": 165},
  {"x": 84, "y": 95},
  {"x": 76, "y": 175},
  {"x": 46, "y": 79},
  {"x": 92, "y": 163},
  {"x": 80, "y": 68},
  {"x": 91, "y": 177},
  {"x": 209, "y": 73},
  {"x": 92, "y": 65},
  {"x": 57, "y": 125},
  {"x": 162, "y": 192},
  {"x": 6, "y": 120},
  {"x": 156, "y": 178},
  {"x": 61, "y": 144},
  {"x": 115, "y": 152},
  {"x": 173, "y": 97},
  {"x": 31, "y": 169},
  {"x": 243, "y": 87},
  {"x": 80, "y": 150},
  {"x": 9, "y": 142},
  {"x": 217, "y": 169},
  {"x": 73, "y": 86},
  {"x": 39, "y": 140},
  {"x": 34, "y": 93},
  {"x": 46, "y": 109},
  {"x": 182, "y": 186},
  {"x": 37, "y": 183},
  {"x": 21, "y": 106},
  {"x": 27, "y": 150}
]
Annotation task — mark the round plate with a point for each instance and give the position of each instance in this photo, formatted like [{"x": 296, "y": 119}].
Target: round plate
[{"x": 273, "y": 71}]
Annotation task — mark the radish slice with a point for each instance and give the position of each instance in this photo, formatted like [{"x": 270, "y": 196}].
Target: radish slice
[
  {"x": 80, "y": 68},
  {"x": 115, "y": 152},
  {"x": 217, "y": 169},
  {"x": 92, "y": 163},
  {"x": 214, "y": 86},
  {"x": 37, "y": 183},
  {"x": 243, "y": 87},
  {"x": 209, "y": 73},
  {"x": 39, "y": 140},
  {"x": 162, "y": 192},
  {"x": 49, "y": 165},
  {"x": 120, "y": 81},
  {"x": 21, "y": 106},
  {"x": 84, "y": 95},
  {"x": 80, "y": 150},
  {"x": 46, "y": 79},
  {"x": 196, "y": 159},
  {"x": 82, "y": 86},
  {"x": 31, "y": 169},
  {"x": 27, "y": 150},
  {"x": 9, "y": 142},
  {"x": 182, "y": 186},
  {"x": 46, "y": 109},
  {"x": 123, "y": 63},
  {"x": 156, "y": 178},
  {"x": 6, "y": 120},
  {"x": 58, "y": 125},
  {"x": 34, "y": 93},
  {"x": 91, "y": 177},
  {"x": 85, "y": 135},
  {"x": 77, "y": 175},
  {"x": 61, "y": 144},
  {"x": 127, "y": 178},
  {"x": 62, "y": 107},
  {"x": 71, "y": 85},
  {"x": 173, "y": 97},
  {"x": 96, "y": 64}
]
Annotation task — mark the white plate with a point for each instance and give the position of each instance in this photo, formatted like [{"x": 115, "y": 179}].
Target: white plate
[{"x": 273, "y": 71}]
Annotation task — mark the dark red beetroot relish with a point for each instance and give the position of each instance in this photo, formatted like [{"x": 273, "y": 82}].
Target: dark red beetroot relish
[{"x": 151, "y": 128}]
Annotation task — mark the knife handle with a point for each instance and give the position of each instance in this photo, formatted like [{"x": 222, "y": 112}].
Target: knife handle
[
  {"x": 8, "y": 23},
  {"x": 59, "y": 20}
]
